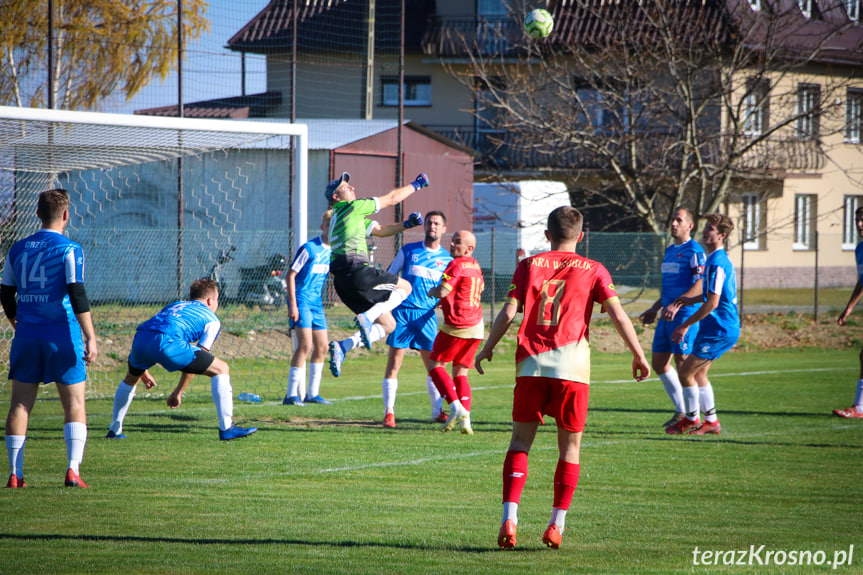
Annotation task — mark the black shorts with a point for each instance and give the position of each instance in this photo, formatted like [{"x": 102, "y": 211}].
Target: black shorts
[{"x": 364, "y": 286}]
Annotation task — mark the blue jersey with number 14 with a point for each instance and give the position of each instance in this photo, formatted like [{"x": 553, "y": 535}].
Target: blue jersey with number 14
[{"x": 40, "y": 267}]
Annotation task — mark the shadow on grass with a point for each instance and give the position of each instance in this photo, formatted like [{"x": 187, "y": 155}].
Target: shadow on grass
[
  {"x": 269, "y": 541},
  {"x": 751, "y": 442}
]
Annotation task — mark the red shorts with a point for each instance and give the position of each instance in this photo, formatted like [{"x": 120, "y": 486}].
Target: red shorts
[
  {"x": 460, "y": 351},
  {"x": 565, "y": 401}
]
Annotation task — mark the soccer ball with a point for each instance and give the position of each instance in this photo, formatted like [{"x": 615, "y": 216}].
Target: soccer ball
[{"x": 538, "y": 23}]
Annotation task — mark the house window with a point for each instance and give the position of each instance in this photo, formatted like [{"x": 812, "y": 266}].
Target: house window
[
  {"x": 853, "y": 116},
  {"x": 808, "y": 102},
  {"x": 804, "y": 222},
  {"x": 805, "y": 8},
  {"x": 755, "y": 106},
  {"x": 417, "y": 91},
  {"x": 753, "y": 222},
  {"x": 852, "y": 7},
  {"x": 849, "y": 221}
]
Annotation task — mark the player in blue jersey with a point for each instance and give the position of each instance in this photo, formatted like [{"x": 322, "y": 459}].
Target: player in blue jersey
[
  {"x": 179, "y": 338},
  {"x": 719, "y": 330},
  {"x": 856, "y": 410},
  {"x": 422, "y": 265},
  {"x": 306, "y": 279},
  {"x": 43, "y": 297},
  {"x": 682, "y": 267}
]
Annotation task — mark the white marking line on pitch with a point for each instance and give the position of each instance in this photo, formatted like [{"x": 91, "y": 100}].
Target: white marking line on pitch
[{"x": 712, "y": 376}]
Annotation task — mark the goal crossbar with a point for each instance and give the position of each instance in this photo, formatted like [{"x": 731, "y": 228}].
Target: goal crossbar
[{"x": 175, "y": 125}]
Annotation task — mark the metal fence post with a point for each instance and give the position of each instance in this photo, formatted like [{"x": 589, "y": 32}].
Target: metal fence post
[
  {"x": 815, "y": 307},
  {"x": 493, "y": 274}
]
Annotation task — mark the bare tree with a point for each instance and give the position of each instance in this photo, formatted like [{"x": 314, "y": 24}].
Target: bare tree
[
  {"x": 642, "y": 106},
  {"x": 101, "y": 46}
]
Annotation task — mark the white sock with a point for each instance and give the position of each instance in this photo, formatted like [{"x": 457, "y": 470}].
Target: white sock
[
  {"x": 858, "y": 397},
  {"x": 15, "y": 449},
  {"x": 75, "y": 434},
  {"x": 315, "y": 372},
  {"x": 690, "y": 402},
  {"x": 708, "y": 405},
  {"x": 673, "y": 388},
  {"x": 354, "y": 341},
  {"x": 122, "y": 400},
  {"x": 558, "y": 517},
  {"x": 223, "y": 397},
  {"x": 295, "y": 378},
  {"x": 389, "y": 386},
  {"x": 434, "y": 397},
  {"x": 456, "y": 406},
  {"x": 377, "y": 332},
  {"x": 510, "y": 512},
  {"x": 397, "y": 296}
]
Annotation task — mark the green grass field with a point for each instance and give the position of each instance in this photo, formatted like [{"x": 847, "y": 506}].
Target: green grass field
[{"x": 326, "y": 489}]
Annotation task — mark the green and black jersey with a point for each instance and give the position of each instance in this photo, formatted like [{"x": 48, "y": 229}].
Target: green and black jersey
[{"x": 349, "y": 228}]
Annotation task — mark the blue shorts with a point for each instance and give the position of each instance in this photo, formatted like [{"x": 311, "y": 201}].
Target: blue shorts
[
  {"x": 415, "y": 328},
  {"x": 311, "y": 316},
  {"x": 152, "y": 347},
  {"x": 711, "y": 345},
  {"x": 662, "y": 342},
  {"x": 43, "y": 360}
]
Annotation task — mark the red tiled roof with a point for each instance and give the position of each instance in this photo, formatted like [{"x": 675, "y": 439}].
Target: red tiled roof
[
  {"x": 276, "y": 19},
  {"x": 236, "y": 107}
]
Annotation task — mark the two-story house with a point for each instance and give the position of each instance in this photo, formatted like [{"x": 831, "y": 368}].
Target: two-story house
[{"x": 793, "y": 191}]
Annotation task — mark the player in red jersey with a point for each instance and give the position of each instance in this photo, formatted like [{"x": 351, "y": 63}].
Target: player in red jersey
[
  {"x": 556, "y": 291},
  {"x": 462, "y": 330}
]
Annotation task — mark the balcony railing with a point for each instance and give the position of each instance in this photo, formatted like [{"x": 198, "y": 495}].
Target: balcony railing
[{"x": 456, "y": 38}]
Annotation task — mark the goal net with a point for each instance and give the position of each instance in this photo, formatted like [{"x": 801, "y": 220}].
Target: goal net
[{"x": 156, "y": 204}]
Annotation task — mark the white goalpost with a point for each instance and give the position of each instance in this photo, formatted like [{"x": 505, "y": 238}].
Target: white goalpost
[{"x": 155, "y": 202}]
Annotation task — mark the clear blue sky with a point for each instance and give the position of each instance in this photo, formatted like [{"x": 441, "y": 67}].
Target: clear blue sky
[{"x": 210, "y": 70}]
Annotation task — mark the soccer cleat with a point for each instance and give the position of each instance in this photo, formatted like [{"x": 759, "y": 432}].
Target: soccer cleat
[
  {"x": 678, "y": 415},
  {"x": 682, "y": 426},
  {"x": 390, "y": 420},
  {"x": 235, "y": 432},
  {"x": 552, "y": 537},
  {"x": 849, "y": 413},
  {"x": 506, "y": 535},
  {"x": 112, "y": 435},
  {"x": 293, "y": 400},
  {"x": 439, "y": 418},
  {"x": 73, "y": 480},
  {"x": 317, "y": 399},
  {"x": 465, "y": 427},
  {"x": 708, "y": 427},
  {"x": 337, "y": 356},
  {"x": 14, "y": 482},
  {"x": 365, "y": 326},
  {"x": 455, "y": 416}
]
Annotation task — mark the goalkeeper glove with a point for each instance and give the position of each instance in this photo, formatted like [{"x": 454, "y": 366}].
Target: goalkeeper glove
[
  {"x": 415, "y": 219},
  {"x": 422, "y": 181}
]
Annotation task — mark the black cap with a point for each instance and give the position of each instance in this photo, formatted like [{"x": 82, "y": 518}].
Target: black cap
[{"x": 331, "y": 187}]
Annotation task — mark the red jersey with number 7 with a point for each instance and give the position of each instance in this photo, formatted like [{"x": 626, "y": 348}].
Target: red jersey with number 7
[
  {"x": 462, "y": 307},
  {"x": 557, "y": 291}
]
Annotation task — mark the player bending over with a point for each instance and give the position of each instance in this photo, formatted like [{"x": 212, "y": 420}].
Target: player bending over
[{"x": 168, "y": 338}]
